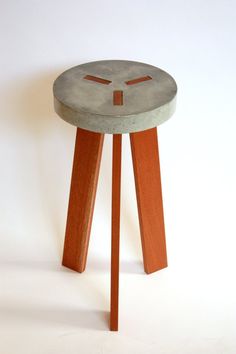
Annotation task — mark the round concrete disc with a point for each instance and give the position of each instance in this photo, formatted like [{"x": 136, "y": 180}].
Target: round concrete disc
[{"x": 115, "y": 96}]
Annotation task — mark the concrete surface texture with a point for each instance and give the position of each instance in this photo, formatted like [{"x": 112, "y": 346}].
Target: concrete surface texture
[{"x": 84, "y": 96}]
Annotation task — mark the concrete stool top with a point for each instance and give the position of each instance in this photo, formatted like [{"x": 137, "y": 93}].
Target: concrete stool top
[{"x": 115, "y": 96}]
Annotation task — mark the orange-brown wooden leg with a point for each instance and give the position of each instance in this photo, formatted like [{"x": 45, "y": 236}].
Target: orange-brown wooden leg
[
  {"x": 115, "y": 230},
  {"x": 87, "y": 158},
  {"x": 144, "y": 147}
]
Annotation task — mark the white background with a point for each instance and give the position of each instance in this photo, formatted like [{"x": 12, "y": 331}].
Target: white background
[{"x": 188, "y": 308}]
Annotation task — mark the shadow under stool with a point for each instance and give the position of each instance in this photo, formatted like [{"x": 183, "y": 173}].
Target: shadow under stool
[{"x": 115, "y": 97}]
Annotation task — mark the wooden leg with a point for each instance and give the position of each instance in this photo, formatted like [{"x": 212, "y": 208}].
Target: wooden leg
[
  {"x": 144, "y": 147},
  {"x": 115, "y": 242},
  {"x": 87, "y": 158}
]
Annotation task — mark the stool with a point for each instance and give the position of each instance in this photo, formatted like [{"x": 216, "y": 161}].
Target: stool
[{"x": 115, "y": 97}]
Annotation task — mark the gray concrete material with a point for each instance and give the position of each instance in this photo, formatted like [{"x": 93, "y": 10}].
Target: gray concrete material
[{"x": 89, "y": 104}]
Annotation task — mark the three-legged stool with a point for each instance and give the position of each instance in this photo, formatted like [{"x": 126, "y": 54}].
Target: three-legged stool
[{"x": 115, "y": 97}]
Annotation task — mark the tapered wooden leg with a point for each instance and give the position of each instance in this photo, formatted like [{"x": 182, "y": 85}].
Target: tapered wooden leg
[
  {"x": 115, "y": 241},
  {"x": 144, "y": 147},
  {"x": 87, "y": 158}
]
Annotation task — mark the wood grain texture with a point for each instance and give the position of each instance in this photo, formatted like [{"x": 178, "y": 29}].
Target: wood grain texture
[
  {"x": 115, "y": 230},
  {"x": 118, "y": 98},
  {"x": 97, "y": 79},
  {"x": 138, "y": 80},
  {"x": 87, "y": 158},
  {"x": 145, "y": 155}
]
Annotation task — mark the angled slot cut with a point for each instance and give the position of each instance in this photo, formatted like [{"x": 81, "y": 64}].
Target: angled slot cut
[
  {"x": 97, "y": 79},
  {"x": 138, "y": 80},
  {"x": 118, "y": 98}
]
